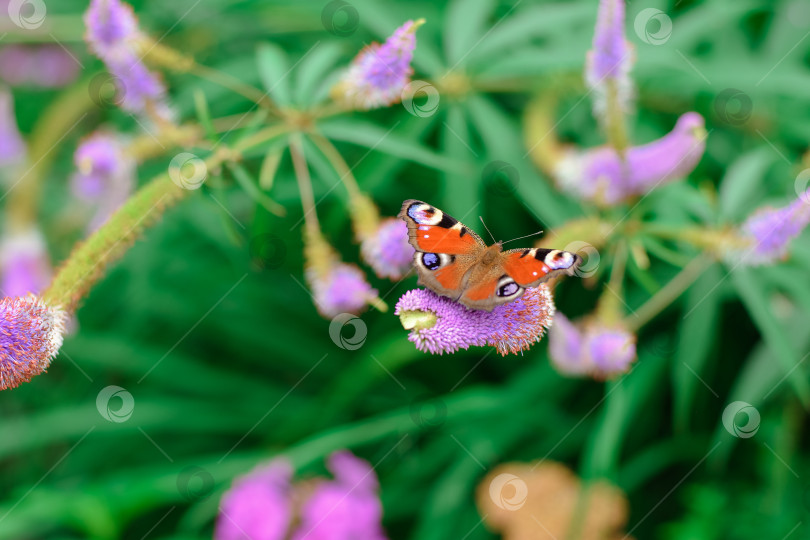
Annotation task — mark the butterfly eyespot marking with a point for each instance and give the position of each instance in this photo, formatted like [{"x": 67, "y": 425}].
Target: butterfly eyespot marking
[
  {"x": 424, "y": 214},
  {"x": 507, "y": 287},
  {"x": 431, "y": 261}
]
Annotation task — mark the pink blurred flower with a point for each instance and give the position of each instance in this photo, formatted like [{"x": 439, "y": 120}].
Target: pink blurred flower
[
  {"x": 24, "y": 263},
  {"x": 590, "y": 348}
]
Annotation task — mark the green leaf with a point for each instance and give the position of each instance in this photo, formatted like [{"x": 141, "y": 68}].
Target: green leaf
[
  {"x": 696, "y": 333},
  {"x": 742, "y": 188},
  {"x": 388, "y": 141},
  {"x": 756, "y": 301},
  {"x": 462, "y": 189},
  {"x": 247, "y": 183},
  {"x": 316, "y": 72},
  {"x": 464, "y": 28},
  {"x": 274, "y": 71}
]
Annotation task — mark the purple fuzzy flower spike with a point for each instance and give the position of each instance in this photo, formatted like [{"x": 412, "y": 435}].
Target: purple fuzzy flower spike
[
  {"x": 257, "y": 506},
  {"x": 590, "y": 348},
  {"x": 607, "y": 70},
  {"x": 345, "y": 508},
  {"x": 24, "y": 263},
  {"x": 12, "y": 146},
  {"x": 379, "y": 73},
  {"x": 769, "y": 231},
  {"x": 387, "y": 251},
  {"x": 439, "y": 325},
  {"x": 113, "y": 35},
  {"x": 31, "y": 334},
  {"x": 601, "y": 175},
  {"x": 343, "y": 289},
  {"x": 106, "y": 174},
  {"x": 46, "y": 66}
]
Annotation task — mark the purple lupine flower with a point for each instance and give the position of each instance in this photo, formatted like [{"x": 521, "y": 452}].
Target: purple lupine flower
[
  {"x": 609, "y": 62},
  {"x": 258, "y": 506},
  {"x": 111, "y": 28},
  {"x": 379, "y": 73},
  {"x": 345, "y": 508},
  {"x": 439, "y": 325},
  {"x": 112, "y": 34},
  {"x": 106, "y": 174},
  {"x": 24, "y": 263},
  {"x": 31, "y": 334},
  {"x": 600, "y": 175},
  {"x": 769, "y": 231},
  {"x": 342, "y": 289},
  {"x": 590, "y": 348},
  {"x": 46, "y": 66},
  {"x": 387, "y": 251},
  {"x": 12, "y": 145}
]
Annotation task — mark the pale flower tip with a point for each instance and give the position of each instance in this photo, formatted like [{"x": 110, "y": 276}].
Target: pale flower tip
[
  {"x": 591, "y": 348},
  {"x": 417, "y": 319},
  {"x": 31, "y": 334},
  {"x": 377, "y": 303}
]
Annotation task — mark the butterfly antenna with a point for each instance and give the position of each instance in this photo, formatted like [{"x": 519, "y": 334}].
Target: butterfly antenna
[
  {"x": 528, "y": 235},
  {"x": 487, "y": 228}
]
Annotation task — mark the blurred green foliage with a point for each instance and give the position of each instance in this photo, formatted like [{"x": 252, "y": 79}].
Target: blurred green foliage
[{"x": 229, "y": 363}]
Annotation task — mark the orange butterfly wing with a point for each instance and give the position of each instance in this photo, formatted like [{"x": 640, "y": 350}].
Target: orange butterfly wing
[{"x": 530, "y": 267}]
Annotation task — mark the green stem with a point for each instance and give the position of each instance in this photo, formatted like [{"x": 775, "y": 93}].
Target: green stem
[{"x": 669, "y": 292}]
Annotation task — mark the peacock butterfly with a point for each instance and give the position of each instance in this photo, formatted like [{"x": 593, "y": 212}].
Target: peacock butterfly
[{"x": 455, "y": 262}]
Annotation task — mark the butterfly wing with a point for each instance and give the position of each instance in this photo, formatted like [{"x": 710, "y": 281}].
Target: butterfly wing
[
  {"x": 446, "y": 250},
  {"x": 529, "y": 267}
]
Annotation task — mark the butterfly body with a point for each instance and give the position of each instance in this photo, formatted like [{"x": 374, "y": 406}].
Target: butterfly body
[{"x": 453, "y": 261}]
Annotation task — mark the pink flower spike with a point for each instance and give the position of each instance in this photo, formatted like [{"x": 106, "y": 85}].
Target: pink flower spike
[
  {"x": 31, "y": 335},
  {"x": 439, "y": 325}
]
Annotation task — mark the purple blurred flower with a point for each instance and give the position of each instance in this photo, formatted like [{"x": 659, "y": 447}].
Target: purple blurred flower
[
  {"x": 111, "y": 28},
  {"x": 602, "y": 176},
  {"x": 769, "y": 231},
  {"x": 590, "y": 348},
  {"x": 46, "y": 66},
  {"x": 24, "y": 263},
  {"x": 112, "y": 34},
  {"x": 608, "y": 64},
  {"x": 12, "y": 145},
  {"x": 379, "y": 73},
  {"x": 387, "y": 251},
  {"x": 106, "y": 174},
  {"x": 257, "y": 506},
  {"x": 345, "y": 508},
  {"x": 440, "y": 325},
  {"x": 342, "y": 289},
  {"x": 264, "y": 505},
  {"x": 31, "y": 334}
]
